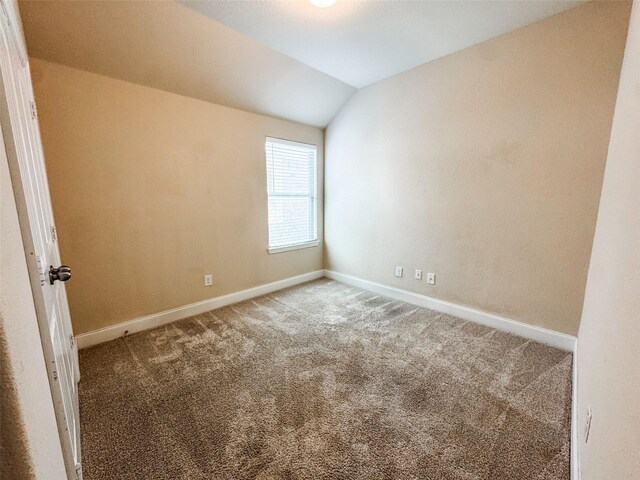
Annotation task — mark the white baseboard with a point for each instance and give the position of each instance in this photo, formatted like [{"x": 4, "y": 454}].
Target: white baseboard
[
  {"x": 539, "y": 334},
  {"x": 155, "y": 320},
  {"x": 543, "y": 335}
]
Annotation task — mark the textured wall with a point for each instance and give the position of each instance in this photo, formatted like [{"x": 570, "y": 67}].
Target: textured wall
[
  {"x": 608, "y": 368},
  {"x": 15, "y": 458},
  {"x": 484, "y": 167},
  {"x": 152, "y": 190}
]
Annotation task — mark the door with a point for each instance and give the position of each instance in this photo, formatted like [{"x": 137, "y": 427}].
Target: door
[{"x": 26, "y": 161}]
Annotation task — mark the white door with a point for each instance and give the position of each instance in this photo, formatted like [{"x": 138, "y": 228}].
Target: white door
[{"x": 26, "y": 160}]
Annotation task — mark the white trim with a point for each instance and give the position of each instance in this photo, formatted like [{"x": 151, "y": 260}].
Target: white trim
[
  {"x": 296, "y": 246},
  {"x": 539, "y": 334},
  {"x": 291, "y": 143},
  {"x": 155, "y": 320},
  {"x": 575, "y": 451}
]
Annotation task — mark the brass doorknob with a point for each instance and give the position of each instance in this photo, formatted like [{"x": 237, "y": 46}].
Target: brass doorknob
[{"x": 62, "y": 273}]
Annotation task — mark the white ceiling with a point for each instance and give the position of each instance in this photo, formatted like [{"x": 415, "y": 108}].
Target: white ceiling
[
  {"x": 284, "y": 58},
  {"x": 363, "y": 41}
]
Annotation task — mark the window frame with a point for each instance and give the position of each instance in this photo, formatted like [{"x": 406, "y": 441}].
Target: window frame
[{"x": 314, "y": 196}]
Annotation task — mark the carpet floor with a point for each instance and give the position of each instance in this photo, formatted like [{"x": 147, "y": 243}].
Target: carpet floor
[{"x": 325, "y": 381}]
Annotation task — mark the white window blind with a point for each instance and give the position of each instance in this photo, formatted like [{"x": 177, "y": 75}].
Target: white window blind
[{"x": 292, "y": 193}]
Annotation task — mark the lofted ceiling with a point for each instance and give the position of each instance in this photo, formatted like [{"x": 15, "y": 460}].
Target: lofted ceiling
[
  {"x": 284, "y": 58},
  {"x": 363, "y": 41}
]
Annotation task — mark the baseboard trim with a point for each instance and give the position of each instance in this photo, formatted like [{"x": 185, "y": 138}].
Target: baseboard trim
[
  {"x": 539, "y": 334},
  {"x": 112, "y": 332}
]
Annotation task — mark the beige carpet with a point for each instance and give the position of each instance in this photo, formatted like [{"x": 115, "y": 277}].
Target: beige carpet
[{"x": 325, "y": 381}]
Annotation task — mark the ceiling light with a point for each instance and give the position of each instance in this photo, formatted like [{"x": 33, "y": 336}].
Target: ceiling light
[{"x": 323, "y": 3}]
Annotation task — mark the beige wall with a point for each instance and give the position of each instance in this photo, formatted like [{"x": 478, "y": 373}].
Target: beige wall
[
  {"x": 29, "y": 441},
  {"x": 152, "y": 190},
  {"x": 609, "y": 339},
  {"x": 484, "y": 167}
]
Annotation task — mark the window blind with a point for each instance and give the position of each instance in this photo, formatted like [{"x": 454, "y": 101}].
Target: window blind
[{"x": 292, "y": 193}]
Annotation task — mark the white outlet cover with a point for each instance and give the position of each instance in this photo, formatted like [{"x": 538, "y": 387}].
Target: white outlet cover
[
  {"x": 418, "y": 275},
  {"x": 431, "y": 278},
  {"x": 208, "y": 280},
  {"x": 399, "y": 271}
]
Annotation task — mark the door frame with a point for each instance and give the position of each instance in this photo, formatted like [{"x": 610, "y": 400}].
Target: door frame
[{"x": 10, "y": 12}]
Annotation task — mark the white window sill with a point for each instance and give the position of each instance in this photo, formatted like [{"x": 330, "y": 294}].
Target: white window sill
[{"x": 293, "y": 247}]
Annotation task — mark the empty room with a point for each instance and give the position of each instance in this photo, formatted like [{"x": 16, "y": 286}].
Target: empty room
[{"x": 320, "y": 239}]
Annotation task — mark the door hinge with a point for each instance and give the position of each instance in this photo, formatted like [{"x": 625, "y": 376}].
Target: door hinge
[
  {"x": 40, "y": 270},
  {"x": 34, "y": 110},
  {"x": 54, "y": 233},
  {"x": 72, "y": 339}
]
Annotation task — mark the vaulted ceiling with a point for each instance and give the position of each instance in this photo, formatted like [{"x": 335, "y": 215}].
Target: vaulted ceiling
[
  {"x": 361, "y": 42},
  {"x": 284, "y": 58}
]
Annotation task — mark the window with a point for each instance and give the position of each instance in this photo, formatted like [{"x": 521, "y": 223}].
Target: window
[{"x": 292, "y": 193}]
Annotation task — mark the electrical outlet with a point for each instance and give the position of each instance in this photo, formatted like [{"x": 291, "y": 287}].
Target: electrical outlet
[
  {"x": 399, "y": 271},
  {"x": 431, "y": 278},
  {"x": 418, "y": 275},
  {"x": 208, "y": 280}
]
